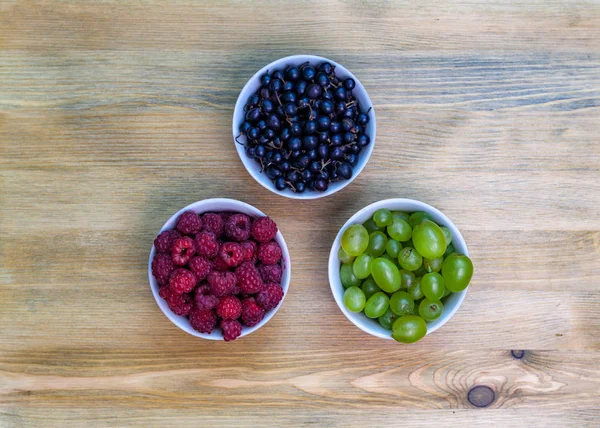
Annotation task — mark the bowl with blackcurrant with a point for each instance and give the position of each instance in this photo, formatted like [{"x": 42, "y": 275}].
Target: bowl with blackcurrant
[
  {"x": 304, "y": 126},
  {"x": 399, "y": 269}
]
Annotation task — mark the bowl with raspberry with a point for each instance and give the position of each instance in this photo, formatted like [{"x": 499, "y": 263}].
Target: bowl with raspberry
[{"x": 219, "y": 269}]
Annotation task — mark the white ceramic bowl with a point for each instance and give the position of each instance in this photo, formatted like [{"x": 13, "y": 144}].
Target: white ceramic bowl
[
  {"x": 371, "y": 326},
  {"x": 254, "y": 84},
  {"x": 216, "y": 205}
]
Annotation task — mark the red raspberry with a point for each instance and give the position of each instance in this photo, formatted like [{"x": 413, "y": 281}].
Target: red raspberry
[
  {"x": 225, "y": 215},
  {"x": 203, "y": 321},
  {"x": 214, "y": 223},
  {"x": 270, "y": 273},
  {"x": 269, "y": 253},
  {"x": 206, "y": 303},
  {"x": 270, "y": 296},
  {"x": 189, "y": 223},
  {"x": 183, "y": 251},
  {"x": 237, "y": 227},
  {"x": 231, "y": 253},
  {"x": 229, "y": 308},
  {"x": 206, "y": 244},
  {"x": 203, "y": 289},
  {"x": 252, "y": 314},
  {"x": 164, "y": 241},
  {"x": 221, "y": 283},
  {"x": 250, "y": 248},
  {"x": 162, "y": 268},
  {"x": 180, "y": 304},
  {"x": 220, "y": 265},
  {"x": 263, "y": 229},
  {"x": 248, "y": 278},
  {"x": 182, "y": 281},
  {"x": 231, "y": 329},
  {"x": 201, "y": 267}
]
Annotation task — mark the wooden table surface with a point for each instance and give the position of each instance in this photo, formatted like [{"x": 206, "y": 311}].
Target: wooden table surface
[{"x": 114, "y": 115}]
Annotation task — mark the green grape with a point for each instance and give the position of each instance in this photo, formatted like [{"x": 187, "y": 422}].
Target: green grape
[
  {"x": 377, "y": 304},
  {"x": 400, "y": 230},
  {"x": 434, "y": 265},
  {"x": 430, "y": 310},
  {"x": 447, "y": 235},
  {"x": 401, "y": 303},
  {"x": 354, "y": 299},
  {"x": 355, "y": 240},
  {"x": 377, "y": 242},
  {"x": 344, "y": 257},
  {"x": 362, "y": 266},
  {"x": 390, "y": 258},
  {"x": 386, "y": 274},
  {"x": 382, "y": 217},
  {"x": 387, "y": 319},
  {"x": 369, "y": 288},
  {"x": 421, "y": 271},
  {"x": 406, "y": 278},
  {"x": 392, "y": 248},
  {"x": 432, "y": 286},
  {"x": 418, "y": 217},
  {"x": 415, "y": 289},
  {"x": 347, "y": 276},
  {"x": 429, "y": 239},
  {"x": 410, "y": 259},
  {"x": 397, "y": 215},
  {"x": 457, "y": 271},
  {"x": 371, "y": 226},
  {"x": 446, "y": 292},
  {"x": 449, "y": 250},
  {"x": 409, "y": 329}
]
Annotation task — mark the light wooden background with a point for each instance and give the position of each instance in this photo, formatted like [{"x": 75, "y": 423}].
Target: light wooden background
[{"x": 114, "y": 115}]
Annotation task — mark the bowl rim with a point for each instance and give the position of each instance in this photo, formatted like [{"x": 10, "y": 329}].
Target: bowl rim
[
  {"x": 204, "y": 206},
  {"x": 334, "y": 263},
  {"x": 240, "y": 102}
]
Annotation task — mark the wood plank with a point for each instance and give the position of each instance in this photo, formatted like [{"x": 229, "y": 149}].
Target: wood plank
[{"x": 113, "y": 115}]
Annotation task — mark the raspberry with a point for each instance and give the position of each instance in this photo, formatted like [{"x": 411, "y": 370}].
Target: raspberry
[
  {"x": 189, "y": 223},
  {"x": 206, "y": 303},
  {"x": 250, "y": 248},
  {"x": 231, "y": 329},
  {"x": 222, "y": 283},
  {"x": 164, "y": 241},
  {"x": 182, "y": 281},
  {"x": 237, "y": 227},
  {"x": 252, "y": 314},
  {"x": 206, "y": 244},
  {"x": 214, "y": 223},
  {"x": 248, "y": 278},
  {"x": 220, "y": 265},
  {"x": 201, "y": 267},
  {"x": 203, "y": 289},
  {"x": 183, "y": 251},
  {"x": 180, "y": 304},
  {"x": 203, "y": 321},
  {"x": 225, "y": 215},
  {"x": 229, "y": 308},
  {"x": 162, "y": 268},
  {"x": 263, "y": 229},
  {"x": 269, "y": 253},
  {"x": 270, "y": 273},
  {"x": 231, "y": 253},
  {"x": 270, "y": 296}
]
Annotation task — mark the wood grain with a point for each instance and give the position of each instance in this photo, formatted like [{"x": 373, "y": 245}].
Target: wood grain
[{"x": 113, "y": 115}]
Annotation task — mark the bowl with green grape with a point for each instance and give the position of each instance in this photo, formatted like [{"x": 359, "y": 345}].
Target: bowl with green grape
[{"x": 399, "y": 269}]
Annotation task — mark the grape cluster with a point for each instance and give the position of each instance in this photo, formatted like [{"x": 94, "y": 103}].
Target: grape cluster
[
  {"x": 398, "y": 268},
  {"x": 305, "y": 127}
]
